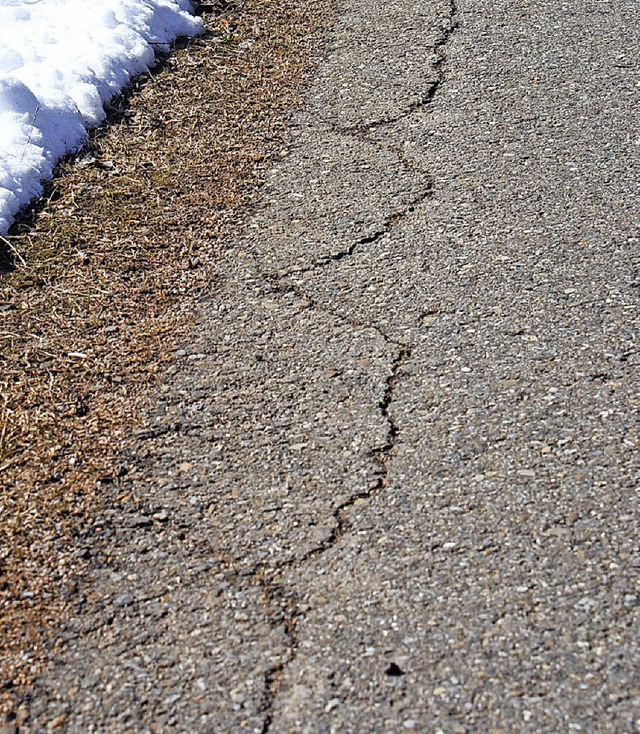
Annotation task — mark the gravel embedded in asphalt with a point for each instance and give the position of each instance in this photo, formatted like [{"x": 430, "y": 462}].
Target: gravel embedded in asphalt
[{"x": 391, "y": 484}]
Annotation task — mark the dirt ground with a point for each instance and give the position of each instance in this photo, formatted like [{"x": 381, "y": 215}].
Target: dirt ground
[{"x": 100, "y": 282}]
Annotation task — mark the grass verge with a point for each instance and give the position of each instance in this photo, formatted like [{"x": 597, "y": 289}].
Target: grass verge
[{"x": 102, "y": 282}]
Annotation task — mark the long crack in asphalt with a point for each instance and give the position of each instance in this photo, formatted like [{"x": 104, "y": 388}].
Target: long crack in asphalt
[
  {"x": 450, "y": 25},
  {"x": 273, "y": 583},
  {"x": 368, "y": 401}
]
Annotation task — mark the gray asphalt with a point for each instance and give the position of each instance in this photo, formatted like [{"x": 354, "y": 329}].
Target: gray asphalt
[{"x": 391, "y": 483}]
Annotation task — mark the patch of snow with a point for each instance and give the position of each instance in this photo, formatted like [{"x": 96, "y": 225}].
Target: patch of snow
[{"x": 60, "y": 61}]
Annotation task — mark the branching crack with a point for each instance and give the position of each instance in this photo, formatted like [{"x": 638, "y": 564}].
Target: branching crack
[
  {"x": 274, "y": 588},
  {"x": 387, "y": 227},
  {"x": 450, "y": 25},
  {"x": 272, "y": 579}
]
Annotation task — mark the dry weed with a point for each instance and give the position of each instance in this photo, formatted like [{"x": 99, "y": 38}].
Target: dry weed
[{"x": 103, "y": 283}]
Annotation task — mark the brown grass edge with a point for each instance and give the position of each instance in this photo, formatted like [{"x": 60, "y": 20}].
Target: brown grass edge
[{"x": 107, "y": 273}]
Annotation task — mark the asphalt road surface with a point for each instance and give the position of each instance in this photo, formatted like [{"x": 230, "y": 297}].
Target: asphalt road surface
[{"x": 392, "y": 483}]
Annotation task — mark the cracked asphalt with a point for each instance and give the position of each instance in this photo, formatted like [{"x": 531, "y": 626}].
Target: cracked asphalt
[{"x": 391, "y": 482}]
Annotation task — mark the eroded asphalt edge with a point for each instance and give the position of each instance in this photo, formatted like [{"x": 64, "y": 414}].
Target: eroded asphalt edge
[
  {"x": 223, "y": 530},
  {"x": 92, "y": 687}
]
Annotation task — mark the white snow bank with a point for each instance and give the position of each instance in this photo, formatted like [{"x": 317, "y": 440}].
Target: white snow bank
[{"x": 60, "y": 61}]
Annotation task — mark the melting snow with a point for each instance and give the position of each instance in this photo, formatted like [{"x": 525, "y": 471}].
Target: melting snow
[{"x": 60, "y": 61}]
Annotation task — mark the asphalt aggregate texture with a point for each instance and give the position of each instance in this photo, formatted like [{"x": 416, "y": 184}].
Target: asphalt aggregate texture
[{"x": 391, "y": 482}]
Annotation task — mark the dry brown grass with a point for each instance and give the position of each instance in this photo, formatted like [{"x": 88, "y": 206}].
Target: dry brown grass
[{"x": 104, "y": 284}]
